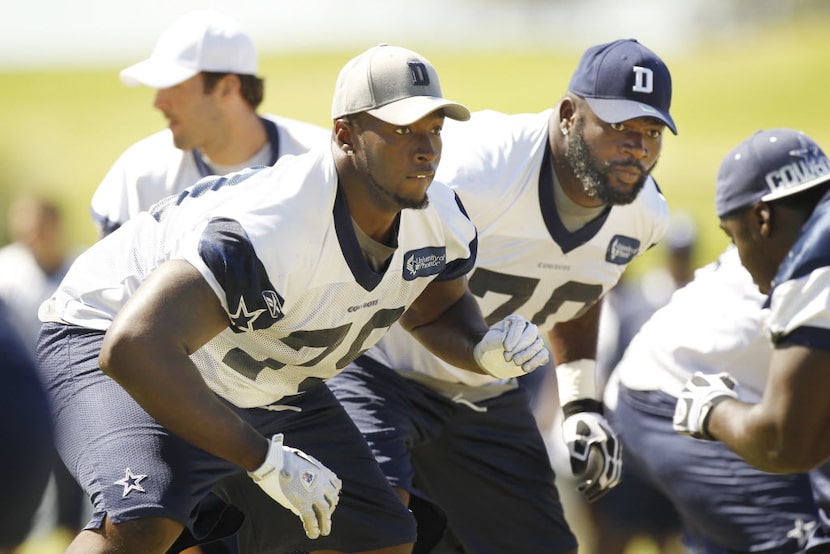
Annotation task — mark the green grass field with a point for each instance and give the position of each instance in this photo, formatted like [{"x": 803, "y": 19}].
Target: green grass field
[{"x": 64, "y": 129}]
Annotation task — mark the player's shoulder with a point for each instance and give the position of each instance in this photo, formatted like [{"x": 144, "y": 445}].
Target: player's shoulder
[
  {"x": 653, "y": 206},
  {"x": 297, "y": 180},
  {"x": 450, "y": 211},
  {"x": 160, "y": 142},
  {"x": 811, "y": 250},
  {"x": 498, "y": 128},
  {"x": 446, "y": 200},
  {"x": 15, "y": 255},
  {"x": 151, "y": 155},
  {"x": 651, "y": 198},
  {"x": 302, "y": 133},
  {"x": 492, "y": 153}
]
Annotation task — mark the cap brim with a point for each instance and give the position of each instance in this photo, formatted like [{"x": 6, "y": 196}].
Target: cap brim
[
  {"x": 154, "y": 74},
  {"x": 783, "y": 192},
  {"x": 409, "y": 110},
  {"x": 613, "y": 110}
]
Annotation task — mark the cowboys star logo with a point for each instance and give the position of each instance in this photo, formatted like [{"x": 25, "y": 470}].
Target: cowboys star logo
[
  {"x": 243, "y": 320},
  {"x": 131, "y": 482}
]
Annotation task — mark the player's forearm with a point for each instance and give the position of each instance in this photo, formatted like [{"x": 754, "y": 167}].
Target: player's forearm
[
  {"x": 750, "y": 432},
  {"x": 453, "y": 336},
  {"x": 168, "y": 386},
  {"x": 576, "y": 339}
]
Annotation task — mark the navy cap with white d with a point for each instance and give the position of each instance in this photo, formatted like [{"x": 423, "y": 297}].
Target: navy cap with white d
[
  {"x": 767, "y": 166},
  {"x": 623, "y": 80}
]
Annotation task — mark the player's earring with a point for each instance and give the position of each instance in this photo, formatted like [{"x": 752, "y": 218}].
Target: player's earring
[
  {"x": 348, "y": 150},
  {"x": 564, "y": 131}
]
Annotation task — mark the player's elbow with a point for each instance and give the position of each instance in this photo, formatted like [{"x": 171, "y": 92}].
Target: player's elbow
[
  {"x": 802, "y": 455},
  {"x": 794, "y": 453},
  {"x": 117, "y": 351}
]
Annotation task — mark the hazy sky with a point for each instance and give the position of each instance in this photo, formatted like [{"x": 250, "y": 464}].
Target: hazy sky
[{"x": 71, "y": 33}]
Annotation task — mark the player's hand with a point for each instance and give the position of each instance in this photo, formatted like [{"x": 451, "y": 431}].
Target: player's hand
[
  {"x": 700, "y": 394},
  {"x": 300, "y": 483},
  {"x": 595, "y": 453},
  {"x": 512, "y": 347}
]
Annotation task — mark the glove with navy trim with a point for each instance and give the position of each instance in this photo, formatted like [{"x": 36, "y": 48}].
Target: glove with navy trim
[
  {"x": 700, "y": 394},
  {"x": 300, "y": 483},
  {"x": 594, "y": 449}
]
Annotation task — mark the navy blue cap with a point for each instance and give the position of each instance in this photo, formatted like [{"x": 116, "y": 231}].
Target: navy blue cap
[
  {"x": 623, "y": 80},
  {"x": 767, "y": 166}
]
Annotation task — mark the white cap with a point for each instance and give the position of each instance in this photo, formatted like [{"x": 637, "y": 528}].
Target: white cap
[
  {"x": 393, "y": 84},
  {"x": 195, "y": 42}
]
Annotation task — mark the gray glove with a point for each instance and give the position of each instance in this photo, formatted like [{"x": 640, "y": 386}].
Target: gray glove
[
  {"x": 700, "y": 394},
  {"x": 511, "y": 348},
  {"x": 300, "y": 483}
]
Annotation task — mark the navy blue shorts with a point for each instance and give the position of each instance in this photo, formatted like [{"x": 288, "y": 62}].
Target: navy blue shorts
[
  {"x": 131, "y": 467},
  {"x": 726, "y": 505},
  {"x": 25, "y": 439},
  {"x": 483, "y": 464}
]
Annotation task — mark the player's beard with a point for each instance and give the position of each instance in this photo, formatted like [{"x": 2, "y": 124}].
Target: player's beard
[
  {"x": 383, "y": 195},
  {"x": 594, "y": 175}
]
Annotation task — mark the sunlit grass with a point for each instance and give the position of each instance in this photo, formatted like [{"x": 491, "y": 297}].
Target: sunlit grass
[{"x": 64, "y": 129}]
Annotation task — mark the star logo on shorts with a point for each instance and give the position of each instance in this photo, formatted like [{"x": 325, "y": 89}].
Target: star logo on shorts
[{"x": 131, "y": 482}]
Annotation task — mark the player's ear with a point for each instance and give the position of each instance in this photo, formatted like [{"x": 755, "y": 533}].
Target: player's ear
[
  {"x": 567, "y": 110},
  {"x": 761, "y": 214},
  {"x": 343, "y": 133},
  {"x": 229, "y": 84}
]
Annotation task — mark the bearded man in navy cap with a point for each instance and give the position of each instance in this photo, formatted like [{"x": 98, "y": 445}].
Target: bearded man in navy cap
[{"x": 563, "y": 201}]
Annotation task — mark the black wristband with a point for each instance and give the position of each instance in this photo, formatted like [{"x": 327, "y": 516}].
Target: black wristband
[{"x": 582, "y": 405}]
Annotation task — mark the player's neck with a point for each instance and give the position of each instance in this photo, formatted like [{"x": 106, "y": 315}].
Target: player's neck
[{"x": 239, "y": 142}]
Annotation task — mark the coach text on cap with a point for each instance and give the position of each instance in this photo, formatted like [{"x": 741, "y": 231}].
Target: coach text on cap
[{"x": 769, "y": 165}]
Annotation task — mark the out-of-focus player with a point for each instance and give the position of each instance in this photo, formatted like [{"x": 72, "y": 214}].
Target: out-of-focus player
[{"x": 205, "y": 69}]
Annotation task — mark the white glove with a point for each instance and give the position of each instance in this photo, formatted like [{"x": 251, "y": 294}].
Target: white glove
[
  {"x": 300, "y": 483},
  {"x": 595, "y": 453},
  {"x": 511, "y": 348},
  {"x": 700, "y": 394}
]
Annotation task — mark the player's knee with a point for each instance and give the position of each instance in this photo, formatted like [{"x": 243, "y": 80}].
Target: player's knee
[{"x": 140, "y": 536}]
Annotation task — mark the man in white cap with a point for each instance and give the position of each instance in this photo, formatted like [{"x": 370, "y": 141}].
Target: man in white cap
[
  {"x": 205, "y": 69},
  {"x": 193, "y": 343}
]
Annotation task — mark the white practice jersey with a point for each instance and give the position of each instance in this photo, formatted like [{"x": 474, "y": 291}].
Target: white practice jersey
[
  {"x": 713, "y": 324},
  {"x": 528, "y": 263},
  {"x": 799, "y": 302},
  {"x": 278, "y": 247},
  {"x": 23, "y": 286},
  {"x": 154, "y": 168}
]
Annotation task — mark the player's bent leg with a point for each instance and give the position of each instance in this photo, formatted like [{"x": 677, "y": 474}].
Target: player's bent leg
[
  {"x": 725, "y": 504},
  {"x": 152, "y": 535},
  {"x": 369, "y": 517},
  {"x": 496, "y": 451}
]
